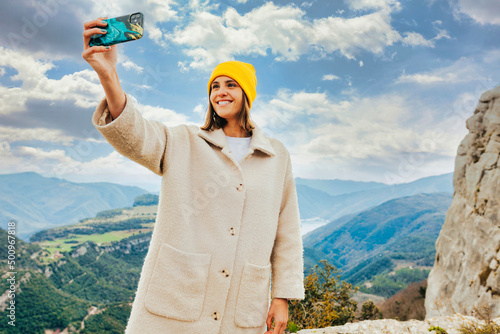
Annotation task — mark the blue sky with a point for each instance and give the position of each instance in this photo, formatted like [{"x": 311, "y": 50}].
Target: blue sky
[{"x": 368, "y": 90}]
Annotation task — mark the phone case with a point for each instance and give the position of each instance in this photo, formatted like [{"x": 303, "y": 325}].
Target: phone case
[{"x": 120, "y": 29}]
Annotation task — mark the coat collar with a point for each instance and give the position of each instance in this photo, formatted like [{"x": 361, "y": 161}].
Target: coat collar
[{"x": 259, "y": 140}]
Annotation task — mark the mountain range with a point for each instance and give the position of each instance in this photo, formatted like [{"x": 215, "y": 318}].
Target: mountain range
[
  {"x": 38, "y": 202},
  {"x": 97, "y": 261},
  {"x": 332, "y": 199},
  {"x": 367, "y": 243}
]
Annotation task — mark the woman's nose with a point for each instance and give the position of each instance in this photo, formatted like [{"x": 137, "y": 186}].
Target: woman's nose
[{"x": 222, "y": 92}]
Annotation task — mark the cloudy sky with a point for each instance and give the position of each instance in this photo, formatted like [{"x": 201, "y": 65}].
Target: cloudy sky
[{"x": 368, "y": 90}]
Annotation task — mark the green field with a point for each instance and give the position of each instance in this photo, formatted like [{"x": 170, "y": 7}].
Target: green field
[{"x": 67, "y": 244}]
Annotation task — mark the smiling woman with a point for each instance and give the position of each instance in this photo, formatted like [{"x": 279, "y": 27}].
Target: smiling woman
[
  {"x": 229, "y": 102},
  {"x": 226, "y": 251}
]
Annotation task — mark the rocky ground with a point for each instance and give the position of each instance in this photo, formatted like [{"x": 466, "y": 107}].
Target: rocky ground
[{"x": 388, "y": 326}]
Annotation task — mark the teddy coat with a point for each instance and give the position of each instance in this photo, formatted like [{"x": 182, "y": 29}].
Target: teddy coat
[{"x": 227, "y": 234}]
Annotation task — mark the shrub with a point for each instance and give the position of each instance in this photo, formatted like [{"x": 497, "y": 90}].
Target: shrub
[
  {"x": 370, "y": 311},
  {"x": 482, "y": 313},
  {"x": 328, "y": 302},
  {"x": 438, "y": 330}
]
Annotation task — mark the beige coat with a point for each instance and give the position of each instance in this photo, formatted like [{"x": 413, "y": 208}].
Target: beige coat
[{"x": 224, "y": 231}]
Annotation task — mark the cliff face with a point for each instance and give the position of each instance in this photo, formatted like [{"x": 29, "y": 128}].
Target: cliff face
[{"x": 467, "y": 272}]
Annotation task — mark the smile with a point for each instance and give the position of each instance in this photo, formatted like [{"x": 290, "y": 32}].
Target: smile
[{"x": 223, "y": 103}]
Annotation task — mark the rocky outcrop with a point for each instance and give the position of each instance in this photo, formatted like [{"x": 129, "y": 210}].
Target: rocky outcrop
[
  {"x": 466, "y": 273},
  {"x": 389, "y": 326}
]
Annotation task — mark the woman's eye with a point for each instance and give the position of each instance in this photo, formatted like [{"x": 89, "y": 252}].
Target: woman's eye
[{"x": 232, "y": 85}]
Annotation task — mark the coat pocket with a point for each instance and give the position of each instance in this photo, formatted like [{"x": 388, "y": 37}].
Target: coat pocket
[
  {"x": 252, "y": 302},
  {"x": 178, "y": 284}
]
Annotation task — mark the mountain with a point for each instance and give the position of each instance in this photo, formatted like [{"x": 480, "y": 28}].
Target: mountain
[
  {"x": 338, "y": 187},
  {"x": 38, "y": 202},
  {"x": 315, "y": 199},
  {"x": 365, "y": 244}
]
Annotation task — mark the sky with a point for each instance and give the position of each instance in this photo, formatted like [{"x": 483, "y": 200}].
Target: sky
[{"x": 365, "y": 90}]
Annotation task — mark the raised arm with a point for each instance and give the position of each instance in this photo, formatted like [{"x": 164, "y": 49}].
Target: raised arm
[{"x": 116, "y": 116}]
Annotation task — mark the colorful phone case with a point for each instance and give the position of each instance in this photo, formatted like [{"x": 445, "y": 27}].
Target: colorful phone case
[{"x": 120, "y": 29}]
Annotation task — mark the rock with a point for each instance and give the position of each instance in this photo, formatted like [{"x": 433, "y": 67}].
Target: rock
[
  {"x": 466, "y": 273},
  {"x": 389, "y": 326}
]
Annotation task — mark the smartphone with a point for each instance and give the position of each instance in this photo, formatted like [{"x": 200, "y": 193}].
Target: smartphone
[{"x": 120, "y": 29}]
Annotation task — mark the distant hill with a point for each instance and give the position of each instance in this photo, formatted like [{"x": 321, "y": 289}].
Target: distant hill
[
  {"x": 339, "y": 187},
  {"x": 367, "y": 243},
  {"x": 316, "y": 200},
  {"x": 38, "y": 202}
]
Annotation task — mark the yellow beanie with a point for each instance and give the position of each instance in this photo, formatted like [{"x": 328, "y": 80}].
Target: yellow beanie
[{"x": 243, "y": 73}]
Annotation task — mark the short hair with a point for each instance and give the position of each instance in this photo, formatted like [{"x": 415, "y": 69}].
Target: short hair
[{"x": 213, "y": 121}]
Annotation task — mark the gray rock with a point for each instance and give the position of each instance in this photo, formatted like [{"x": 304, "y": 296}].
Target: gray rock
[
  {"x": 466, "y": 273},
  {"x": 389, "y": 326}
]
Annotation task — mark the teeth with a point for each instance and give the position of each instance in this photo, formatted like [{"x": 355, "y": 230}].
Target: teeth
[{"x": 223, "y": 102}]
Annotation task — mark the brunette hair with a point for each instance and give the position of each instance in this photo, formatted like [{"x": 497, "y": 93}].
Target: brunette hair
[{"x": 213, "y": 121}]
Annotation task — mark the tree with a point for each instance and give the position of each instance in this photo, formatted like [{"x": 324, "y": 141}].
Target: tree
[
  {"x": 328, "y": 302},
  {"x": 370, "y": 311}
]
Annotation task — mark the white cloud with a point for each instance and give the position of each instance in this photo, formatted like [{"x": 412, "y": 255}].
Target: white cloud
[
  {"x": 282, "y": 30},
  {"x": 285, "y": 33},
  {"x": 441, "y": 34},
  {"x": 361, "y": 64},
  {"x": 463, "y": 70},
  {"x": 154, "y": 33},
  {"x": 11, "y": 134},
  {"x": 481, "y": 11},
  {"x": 200, "y": 112},
  {"x": 426, "y": 78},
  {"x": 330, "y": 77},
  {"x": 130, "y": 65},
  {"x": 349, "y": 137},
  {"x": 82, "y": 88},
  {"x": 155, "y": 11},
  {"x": 373, "y": 4},
  {"x": 163, "y": 115},
  {"x": 413, "y": 39},
  {"x": 40, "y": 154},
  {"x": 10, "y": 162},
  {"x": 103, "y": 169}
]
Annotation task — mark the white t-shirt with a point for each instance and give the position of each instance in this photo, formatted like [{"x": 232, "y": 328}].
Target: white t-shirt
[{"x": 238, "y": 146}]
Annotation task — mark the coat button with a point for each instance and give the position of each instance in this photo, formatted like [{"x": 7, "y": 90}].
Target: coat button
[
  {"x": 240, "y": 187},
  {"x": 225, "y": 272},
  {"x": 216, "y": 316},
  {"x": 231, "y": 230}
]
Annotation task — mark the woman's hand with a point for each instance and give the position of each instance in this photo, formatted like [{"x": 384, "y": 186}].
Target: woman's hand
[
  {"x": 103, "y": 59},
  {"x": 278, "y": 311}
]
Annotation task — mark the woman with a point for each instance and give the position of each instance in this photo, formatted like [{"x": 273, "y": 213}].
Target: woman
[{"x": 228, "y": 221}]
